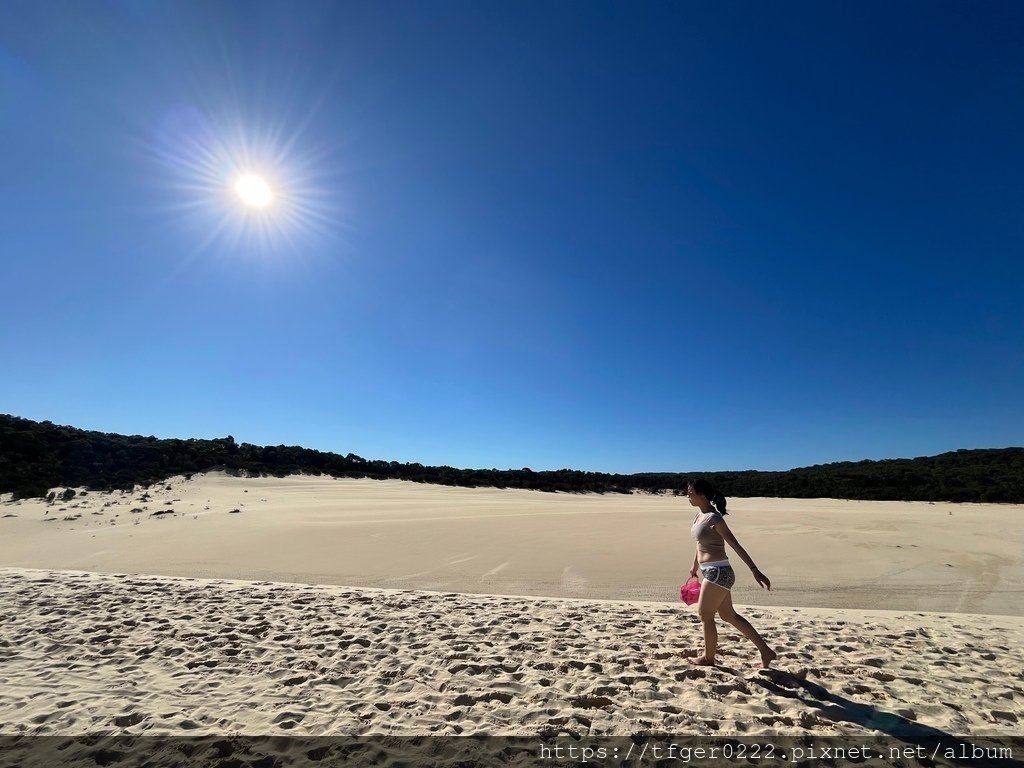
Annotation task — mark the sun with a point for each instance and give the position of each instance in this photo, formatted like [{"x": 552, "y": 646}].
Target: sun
[
  {"x": 248, "y": 188},
  {"x": 254, "y": 191}
]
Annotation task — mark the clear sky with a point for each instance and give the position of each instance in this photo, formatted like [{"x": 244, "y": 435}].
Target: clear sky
[{"x": 609, "y": 236}]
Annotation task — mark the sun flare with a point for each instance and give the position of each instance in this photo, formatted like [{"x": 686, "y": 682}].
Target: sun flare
[{"x": 254, "y": 191}]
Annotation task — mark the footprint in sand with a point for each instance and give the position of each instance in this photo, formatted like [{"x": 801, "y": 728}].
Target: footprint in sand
[
  {"x": 288, "y": 720},
  {"x": 209, "y": 663},
  {"x": 727, "y": 688},
  {"x": 856, "y": 688},
  {"x": 591, "y": 702},
  {"x": 690, "y": 674},
  {"x": 126, "y": 721}
]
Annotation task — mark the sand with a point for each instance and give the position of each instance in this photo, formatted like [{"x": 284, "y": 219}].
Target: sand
[
  {"x": 961, "y": 558},
  {"x": 357, "y": 608}
]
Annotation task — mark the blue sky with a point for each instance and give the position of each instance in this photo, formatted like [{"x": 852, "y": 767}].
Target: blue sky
[{"x": 608, "y": 236}]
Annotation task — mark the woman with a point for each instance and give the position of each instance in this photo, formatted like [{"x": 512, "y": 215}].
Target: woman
[{"x": 711, "y": 533}]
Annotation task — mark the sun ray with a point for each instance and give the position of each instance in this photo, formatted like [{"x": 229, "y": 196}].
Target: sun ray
[{"x": 247, "y": 182}]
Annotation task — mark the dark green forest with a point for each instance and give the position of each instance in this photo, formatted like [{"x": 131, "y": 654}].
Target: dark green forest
[{"x": 37, "y": 456}]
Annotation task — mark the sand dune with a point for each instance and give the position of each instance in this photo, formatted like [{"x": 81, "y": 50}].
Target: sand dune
[
  {"x": 183, "y": 617},
  {"x": 393, "y": 534}
]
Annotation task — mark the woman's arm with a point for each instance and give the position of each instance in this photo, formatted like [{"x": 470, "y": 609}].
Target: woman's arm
[
  {"x": 723, "y": 529},
  {"x": 696, "y": 567}
]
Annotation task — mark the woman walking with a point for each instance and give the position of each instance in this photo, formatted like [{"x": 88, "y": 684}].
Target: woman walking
[{"x": 712, "y": 533}]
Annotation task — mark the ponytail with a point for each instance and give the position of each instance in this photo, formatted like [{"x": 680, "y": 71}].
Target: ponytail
[{"x": 719, "y": 503}]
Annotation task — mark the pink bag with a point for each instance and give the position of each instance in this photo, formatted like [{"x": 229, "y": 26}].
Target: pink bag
[{"x": 689, "y": 593}]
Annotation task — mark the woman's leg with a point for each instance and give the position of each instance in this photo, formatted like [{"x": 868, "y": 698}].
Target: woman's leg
[
  {"x": 711, "y": 597},
  {"x": 727, "y": 612}
]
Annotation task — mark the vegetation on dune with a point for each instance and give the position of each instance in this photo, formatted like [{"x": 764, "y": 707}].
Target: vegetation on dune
[{"x": 38, "y": 456}]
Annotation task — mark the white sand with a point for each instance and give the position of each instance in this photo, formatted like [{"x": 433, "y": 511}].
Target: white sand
[
  {"x": 963, "y": 558},
  {"x": 83, "y": 650}
]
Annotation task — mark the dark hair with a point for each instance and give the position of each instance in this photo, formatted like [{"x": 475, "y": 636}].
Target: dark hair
[{"x": 708, "y": 491}]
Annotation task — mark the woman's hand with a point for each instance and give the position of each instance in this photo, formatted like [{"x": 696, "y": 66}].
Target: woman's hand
[
  {"x": 693, "y": 572},
  {"x": 763, "y": 581}
]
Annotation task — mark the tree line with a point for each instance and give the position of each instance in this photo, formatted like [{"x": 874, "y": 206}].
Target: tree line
[{"x": 38, "y": 456}]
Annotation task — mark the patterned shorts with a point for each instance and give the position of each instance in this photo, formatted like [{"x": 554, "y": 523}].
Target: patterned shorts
[{"x": 722, "y": 575}]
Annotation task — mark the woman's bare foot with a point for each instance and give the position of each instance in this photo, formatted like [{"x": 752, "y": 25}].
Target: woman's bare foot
[
  {"x": 768, "y": 658},
  {"x": 703, "y": 661}
]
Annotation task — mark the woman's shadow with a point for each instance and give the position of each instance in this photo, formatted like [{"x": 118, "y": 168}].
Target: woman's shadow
[{"x": 840, "y": 710}]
